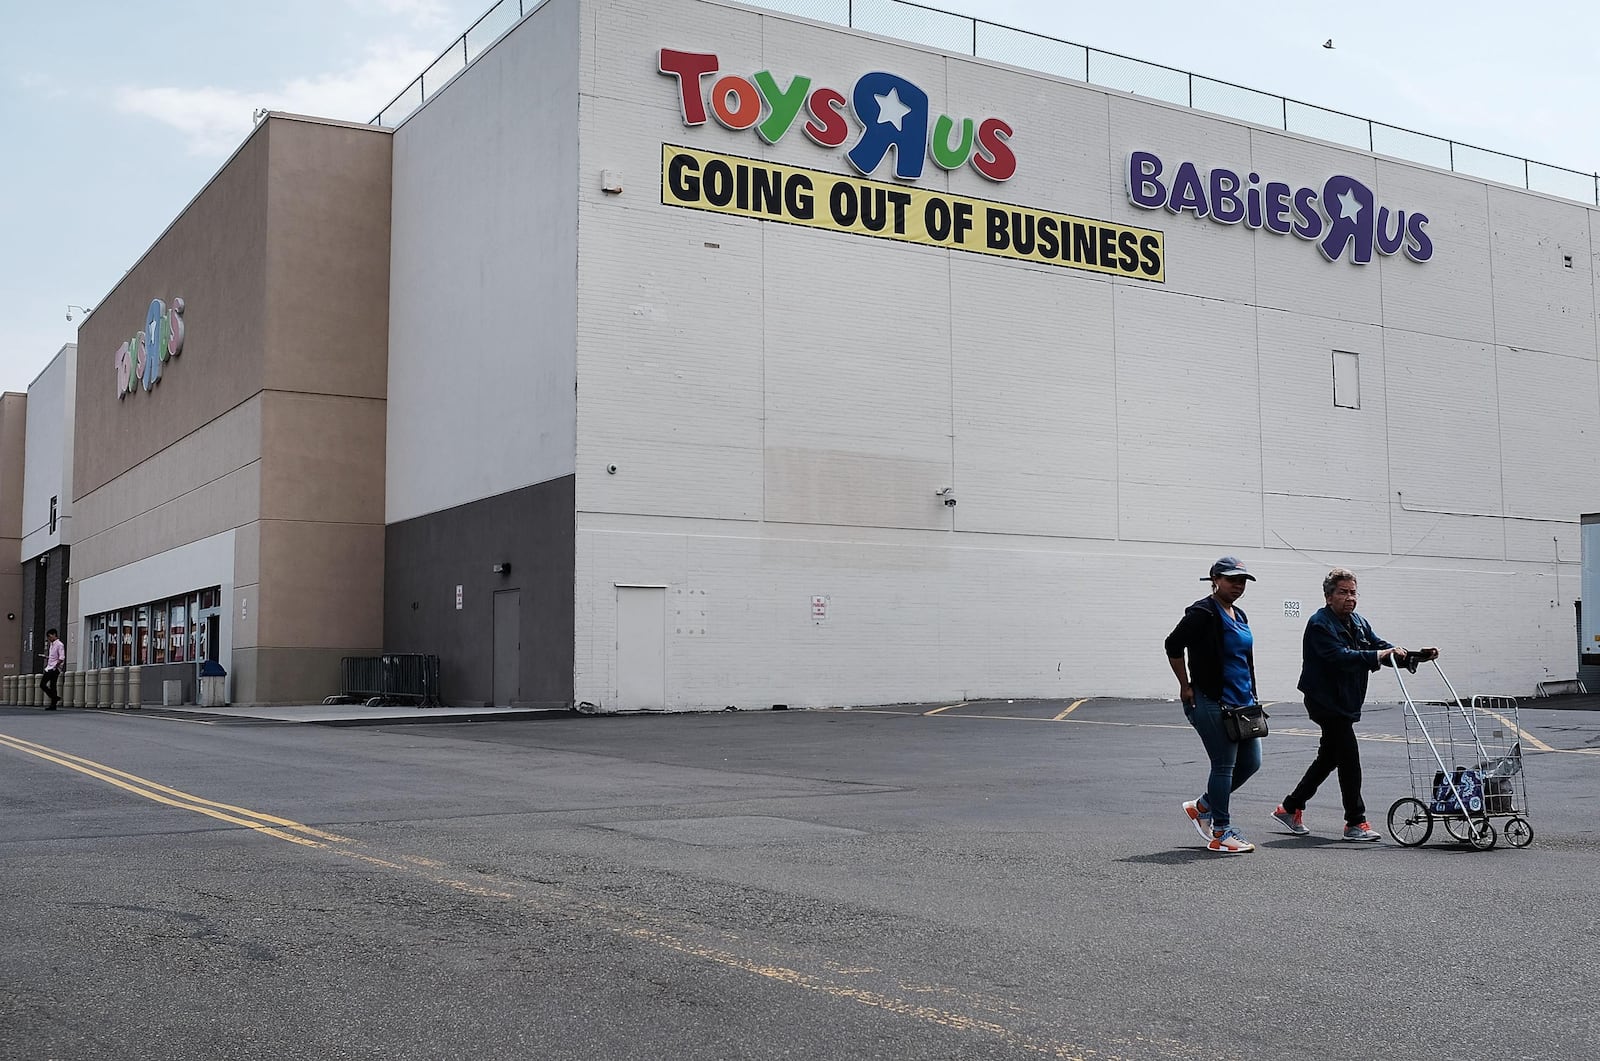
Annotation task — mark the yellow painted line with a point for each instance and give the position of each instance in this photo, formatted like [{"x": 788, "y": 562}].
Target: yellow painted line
[
  {"x": 1070, "y": 709},
  {"x": 170, "y": 796},
  {"x": 624, "y": 922},
  {"x": 946, "y": 707},
  {"x": 928, "y": 1014},
  {"x": 1519, "y": 731}
]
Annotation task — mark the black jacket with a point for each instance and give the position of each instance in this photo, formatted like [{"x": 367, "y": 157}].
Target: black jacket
[
  {"x": 1336, "y": 658},
  {"x": 1200, "y": 632}
]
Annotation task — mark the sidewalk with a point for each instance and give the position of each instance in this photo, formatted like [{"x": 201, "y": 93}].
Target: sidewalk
[{"x": 339, "y": 714}]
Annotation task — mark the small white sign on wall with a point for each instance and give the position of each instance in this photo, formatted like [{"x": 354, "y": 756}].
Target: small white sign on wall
[
  {"x": 458, "y": 598},
  {"x": 819, "y": 609},
  {"x": 1291, "y": 609}
]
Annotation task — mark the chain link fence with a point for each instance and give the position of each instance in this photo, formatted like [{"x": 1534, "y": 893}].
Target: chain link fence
[{"x": 920, "y": 24}]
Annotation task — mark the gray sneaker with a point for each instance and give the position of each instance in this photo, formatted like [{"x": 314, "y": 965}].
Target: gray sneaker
[
  {"x": 1294, "y": 822},
  {"x": 1361, "y": 832}
]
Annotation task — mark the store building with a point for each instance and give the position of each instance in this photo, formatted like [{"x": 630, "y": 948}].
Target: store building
[
  {"x": 47, "y": 506},
  {"x": 227, "y": 467},
  {"x": 13, "y": 438},
  {"x": 683, "y": 355}
]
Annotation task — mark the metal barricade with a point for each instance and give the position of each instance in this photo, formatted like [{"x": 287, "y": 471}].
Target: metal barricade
[{"x": 394, "y": 678}]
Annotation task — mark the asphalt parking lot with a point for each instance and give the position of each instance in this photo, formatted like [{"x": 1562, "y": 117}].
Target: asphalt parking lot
[{"x": 964, "y": 880}]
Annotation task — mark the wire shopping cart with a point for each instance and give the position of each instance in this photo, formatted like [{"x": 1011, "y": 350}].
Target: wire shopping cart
[{"x": 1465, "y": 762}]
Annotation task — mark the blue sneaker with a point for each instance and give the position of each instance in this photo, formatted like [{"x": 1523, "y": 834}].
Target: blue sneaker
[{"x": 1199, "y": 817}]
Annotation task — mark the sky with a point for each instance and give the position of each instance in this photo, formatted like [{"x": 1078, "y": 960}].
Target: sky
[{"x": 117, "y": 114}]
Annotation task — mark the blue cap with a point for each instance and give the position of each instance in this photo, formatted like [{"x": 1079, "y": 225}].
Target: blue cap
[{"x": 1226, "y": 567}]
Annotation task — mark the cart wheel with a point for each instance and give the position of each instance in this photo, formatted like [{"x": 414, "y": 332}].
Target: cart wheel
[
  {"x": 1482, "y": 836},
  {"x": 1410, "y": 823},
  {"x": 1459, "y": 828},
  {"x": 1518, "y": 832}
]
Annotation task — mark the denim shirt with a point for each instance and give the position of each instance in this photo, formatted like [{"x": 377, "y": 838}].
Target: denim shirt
[{"x": 1337, "y": 655}]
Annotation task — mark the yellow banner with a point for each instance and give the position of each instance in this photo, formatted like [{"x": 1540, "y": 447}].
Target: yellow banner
[{"x": 747, "y": 187}]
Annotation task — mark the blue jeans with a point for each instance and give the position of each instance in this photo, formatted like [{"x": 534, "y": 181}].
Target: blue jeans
[{"x": 1231, "y": 764}]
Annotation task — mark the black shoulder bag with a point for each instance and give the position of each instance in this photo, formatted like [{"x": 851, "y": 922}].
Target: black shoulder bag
[{"x": 1245, "y": 722}]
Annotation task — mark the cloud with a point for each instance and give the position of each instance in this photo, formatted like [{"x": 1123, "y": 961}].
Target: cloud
[
  {"x": 215, "y": 120},
  {"x": 423, "y": 14}
]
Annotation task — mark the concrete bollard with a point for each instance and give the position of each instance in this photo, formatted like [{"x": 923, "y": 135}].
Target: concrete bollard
[
  {"x": 119, "y": 687},
  {"x": 6, "y": 685},
  {"x": 30, "y": 696},
  {"x": 77, "y": 688},
  {"x": 103, "y": 698},
  {"x": 91, "y": 688},
  {"x": 135, "y": 688}
]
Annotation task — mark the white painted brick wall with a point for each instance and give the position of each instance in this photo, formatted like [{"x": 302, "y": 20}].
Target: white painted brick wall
[
  {"x": 782, "y": 405},
  {"x": 482, "y": 305}
]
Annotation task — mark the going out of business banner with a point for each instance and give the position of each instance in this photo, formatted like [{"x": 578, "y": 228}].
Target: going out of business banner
[{"x": 745, "y": 187}]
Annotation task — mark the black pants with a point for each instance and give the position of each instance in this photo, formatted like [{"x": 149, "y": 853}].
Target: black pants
[
  {"x": 47, "y": 685},
  {"x": 1337, "y": 751}
]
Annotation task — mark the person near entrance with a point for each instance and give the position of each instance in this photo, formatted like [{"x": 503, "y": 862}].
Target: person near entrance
[
  {"x": 1339, "y": 650},
  {"x": 55, "y": 659}
]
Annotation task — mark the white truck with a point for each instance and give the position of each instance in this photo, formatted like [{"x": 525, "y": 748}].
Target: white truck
[{"x": 1589, "y": 611}]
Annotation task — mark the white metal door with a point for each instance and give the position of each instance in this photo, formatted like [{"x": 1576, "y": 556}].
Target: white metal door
[{"x": 641, "y": 647}]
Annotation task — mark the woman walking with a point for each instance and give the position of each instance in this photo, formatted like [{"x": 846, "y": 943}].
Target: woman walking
[{"x": 1215, "y": 633}]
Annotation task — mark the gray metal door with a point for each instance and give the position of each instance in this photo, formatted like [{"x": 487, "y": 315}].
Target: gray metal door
[
  {"x": 641, "y": 647},
  {"x": 507, "y": 646}
]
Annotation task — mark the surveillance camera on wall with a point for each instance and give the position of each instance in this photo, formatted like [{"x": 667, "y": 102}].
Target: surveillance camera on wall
[{"x": 949, "y": 502}]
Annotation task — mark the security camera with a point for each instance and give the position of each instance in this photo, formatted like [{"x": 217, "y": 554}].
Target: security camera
[
  {"x": 949, "y": 502},
  {"x": 611, "y": 469}
]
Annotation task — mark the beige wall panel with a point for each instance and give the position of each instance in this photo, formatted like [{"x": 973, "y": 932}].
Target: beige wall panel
[
  {"x": 242, "y": 679},
  {"x": 246, "y": 620},
  {"x": 324, "y": 586},
  {"x": 13, "y": 432},
  {"x": 322, "y": 458},
  {"x": 327, "y": 258},
  {"x": 295, "y": 675},
  {"x": 206, "y": 482},
  {"x": 247, "y": 556},
  {"x": 13, "y": 440},
  {"x": 200, "y": 513},
  {"x": 213, "y": 257}
]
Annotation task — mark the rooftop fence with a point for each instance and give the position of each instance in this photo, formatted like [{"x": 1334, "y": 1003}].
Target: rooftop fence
[{"x": 950, "y": 32}]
